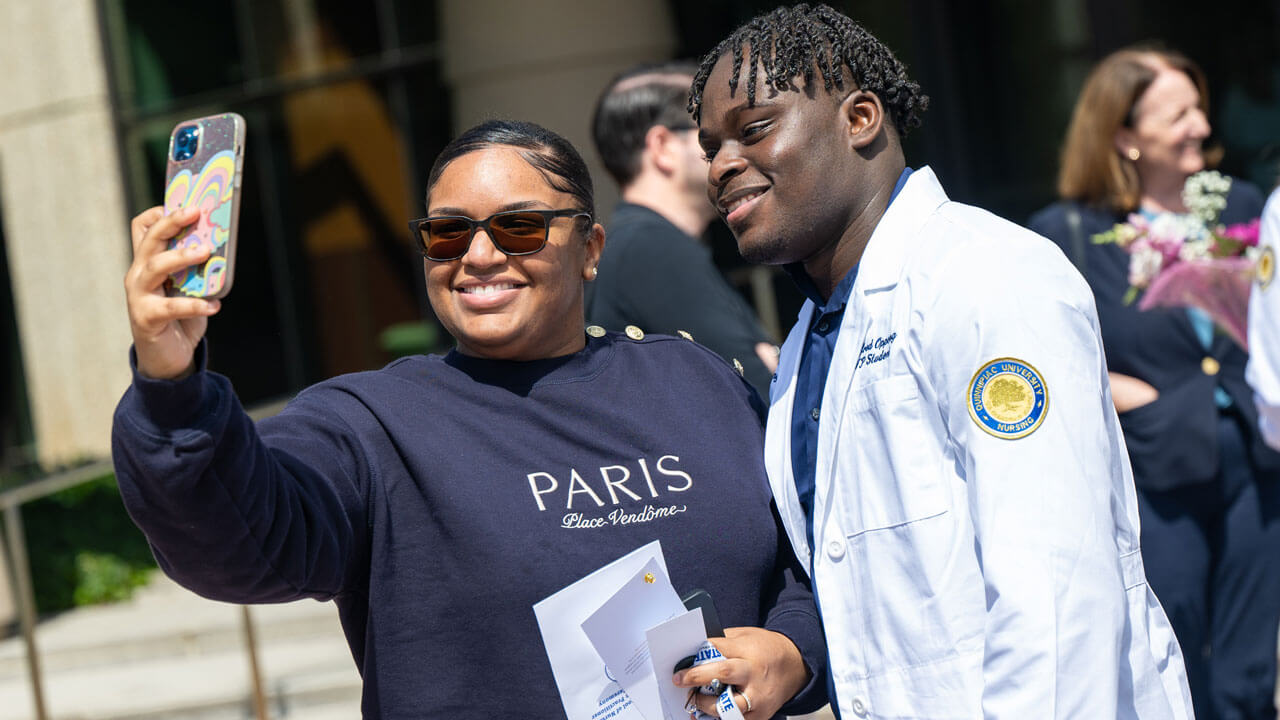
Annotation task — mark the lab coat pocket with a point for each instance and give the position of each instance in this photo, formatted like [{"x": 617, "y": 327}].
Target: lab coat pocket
[
  {"x": 898, "y": 456},
  {"x": 898, "y": 528}
]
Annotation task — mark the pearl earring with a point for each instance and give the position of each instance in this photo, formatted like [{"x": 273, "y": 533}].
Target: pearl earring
[{"x": 1134, "y": 153}]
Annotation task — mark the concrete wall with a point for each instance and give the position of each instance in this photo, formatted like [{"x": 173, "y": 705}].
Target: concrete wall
[
  {"x": 64, "y": 224},
  {"x": 546, "y": 62}
]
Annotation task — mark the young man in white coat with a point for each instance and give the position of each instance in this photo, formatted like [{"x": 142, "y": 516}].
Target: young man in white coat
[{"x": 941, "y": 440}]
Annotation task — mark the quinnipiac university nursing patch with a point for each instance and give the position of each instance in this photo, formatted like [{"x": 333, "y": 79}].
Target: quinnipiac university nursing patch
[
  {"x": 1265, "y": 269},
  {"x": 1008, "y": 398}
]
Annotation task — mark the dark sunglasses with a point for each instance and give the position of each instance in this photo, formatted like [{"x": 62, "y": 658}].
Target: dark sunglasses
[{"x": 515, "y": 232}]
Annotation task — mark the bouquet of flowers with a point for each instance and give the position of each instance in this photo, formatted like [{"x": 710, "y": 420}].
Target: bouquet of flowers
[{"x": 1191, "y": 260}]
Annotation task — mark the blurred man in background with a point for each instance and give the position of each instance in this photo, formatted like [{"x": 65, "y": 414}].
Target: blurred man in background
[{"x": 655, "y": 273}]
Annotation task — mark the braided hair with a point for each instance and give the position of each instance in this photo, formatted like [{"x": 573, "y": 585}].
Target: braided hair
[{"x": 796, "y": 41}]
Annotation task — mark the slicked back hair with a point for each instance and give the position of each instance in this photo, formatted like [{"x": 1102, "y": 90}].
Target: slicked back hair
[
  {"x": 805, "y": 42},
  {"x": 638, "y": 99},
  {"x": 548, "y": 153}
]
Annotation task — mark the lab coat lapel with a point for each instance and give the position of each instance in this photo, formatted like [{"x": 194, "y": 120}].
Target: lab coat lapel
[
  {"x": 879, "y": 271},
  {"x": 782, "y": 397}
]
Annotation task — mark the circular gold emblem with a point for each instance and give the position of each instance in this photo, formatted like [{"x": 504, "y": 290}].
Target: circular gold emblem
[
  {"x": 1008, "y": 398},
  {"x": 648, "y": 577},
  {"x": 1266, "y": 268},
  {"x": 595, "y": 331},
  {"x": 634, "y": 332}
]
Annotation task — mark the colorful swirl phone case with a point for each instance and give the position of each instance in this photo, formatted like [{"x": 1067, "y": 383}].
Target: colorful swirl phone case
[{"x": 204, "y": 163}]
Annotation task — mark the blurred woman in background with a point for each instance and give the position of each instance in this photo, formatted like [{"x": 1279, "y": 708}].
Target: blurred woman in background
[{"x": 1208, "y": 487}]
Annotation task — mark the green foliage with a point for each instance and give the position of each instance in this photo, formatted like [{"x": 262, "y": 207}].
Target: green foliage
[
  {"x": 102, "y": 577},
  {"x": 83, "y": 547}
]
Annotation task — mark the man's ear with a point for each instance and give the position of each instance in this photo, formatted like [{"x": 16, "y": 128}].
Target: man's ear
[
  {"x": 863, "y": 114},
  {"x": 658, "y": 147}
]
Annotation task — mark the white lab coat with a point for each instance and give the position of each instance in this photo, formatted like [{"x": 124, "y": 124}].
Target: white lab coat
[
  {"x": 1263, "y": 370},
  {"x": 962, "y": 575}
]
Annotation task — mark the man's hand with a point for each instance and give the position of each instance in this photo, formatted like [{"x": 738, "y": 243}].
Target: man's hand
[
  {"x": 764, "y": 667},
  {"x": 165, "y": 329}
]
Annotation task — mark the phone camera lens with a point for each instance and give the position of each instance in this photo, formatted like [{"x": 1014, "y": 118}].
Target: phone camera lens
[{"x": 185, "y": 142}]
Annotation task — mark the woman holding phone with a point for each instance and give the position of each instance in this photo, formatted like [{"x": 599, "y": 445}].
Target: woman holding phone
[{"x": 437, "y": 499}]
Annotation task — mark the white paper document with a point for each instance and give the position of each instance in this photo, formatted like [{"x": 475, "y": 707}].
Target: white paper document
[
  {"x": 617, "y": 631},
  {"x": 614, "y": 638},
  {"x": 586, "y": 688},
  {"x": 669, "y": 643}
]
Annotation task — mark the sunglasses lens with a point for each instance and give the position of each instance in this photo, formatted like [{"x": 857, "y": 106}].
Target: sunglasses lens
[
  {"x": 519, "y": 232},
  {"x": 446, "y": 238}
]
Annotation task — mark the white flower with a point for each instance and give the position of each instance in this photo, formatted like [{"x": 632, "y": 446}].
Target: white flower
[
  {"x": 1168, "y": 233},
  {"x": 1144, "y": 264},
  {"x": 1199, "y": 249},
  {"x": 1205, "y": 194}
]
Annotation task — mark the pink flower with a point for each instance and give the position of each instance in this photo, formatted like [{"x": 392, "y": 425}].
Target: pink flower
[
  {"x": 1245, "y": 233},
  {"x": 1167, "y": 233}
]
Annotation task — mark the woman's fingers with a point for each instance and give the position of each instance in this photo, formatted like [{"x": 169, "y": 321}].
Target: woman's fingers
[
  {"x": 151, "y": 316},
  {"x": 143, "y": 222},
  {"x": 167, "y": 263},
  {"x": 149, "y": 271},
  {"x": 730, "y": 671},
  {"x": 155, "y": 313},
  {"x": 152, "y": 229},
  {"x": 707, "y": 703}
]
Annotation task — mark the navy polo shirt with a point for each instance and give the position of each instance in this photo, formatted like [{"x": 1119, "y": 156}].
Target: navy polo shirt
[{"x": 811, "y": 377}]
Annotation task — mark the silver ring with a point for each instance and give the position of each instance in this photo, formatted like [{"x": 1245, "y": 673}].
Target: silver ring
[
  {"x": 716, "y": 687},
  {"x": 746, "y": 699}
]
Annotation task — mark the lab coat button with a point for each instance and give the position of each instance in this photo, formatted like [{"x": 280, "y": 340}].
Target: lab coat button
[
  {"x": 859, "y": 707},
  {"x": 835, "y": 549},
  {"x": 814, "y": 414}
]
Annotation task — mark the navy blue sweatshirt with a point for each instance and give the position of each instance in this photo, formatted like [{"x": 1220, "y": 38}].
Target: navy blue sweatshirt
[{"x": 436, "y": 500}]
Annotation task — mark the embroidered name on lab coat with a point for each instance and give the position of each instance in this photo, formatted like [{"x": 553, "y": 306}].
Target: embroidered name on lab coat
[{"x": 874, "y": 351}]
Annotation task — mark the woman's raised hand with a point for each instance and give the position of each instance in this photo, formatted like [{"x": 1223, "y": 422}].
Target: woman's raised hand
[{"x": 165, "y": 329}]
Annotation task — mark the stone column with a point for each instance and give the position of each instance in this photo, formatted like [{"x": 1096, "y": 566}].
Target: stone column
[
  {"x": 546, "y": 62},
  {"x": 65, "y": 229}
]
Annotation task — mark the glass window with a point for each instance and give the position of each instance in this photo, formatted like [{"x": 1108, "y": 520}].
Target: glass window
[
  {"x": 334, "y": 153},
  {"x": 17, "y": 449}
]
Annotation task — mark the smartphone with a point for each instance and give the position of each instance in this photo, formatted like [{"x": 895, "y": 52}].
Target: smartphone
[
  {"x": 702, "y": 599},
  {"x": 710, "y": 619},
  {"x": 206, "y": 157}
]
